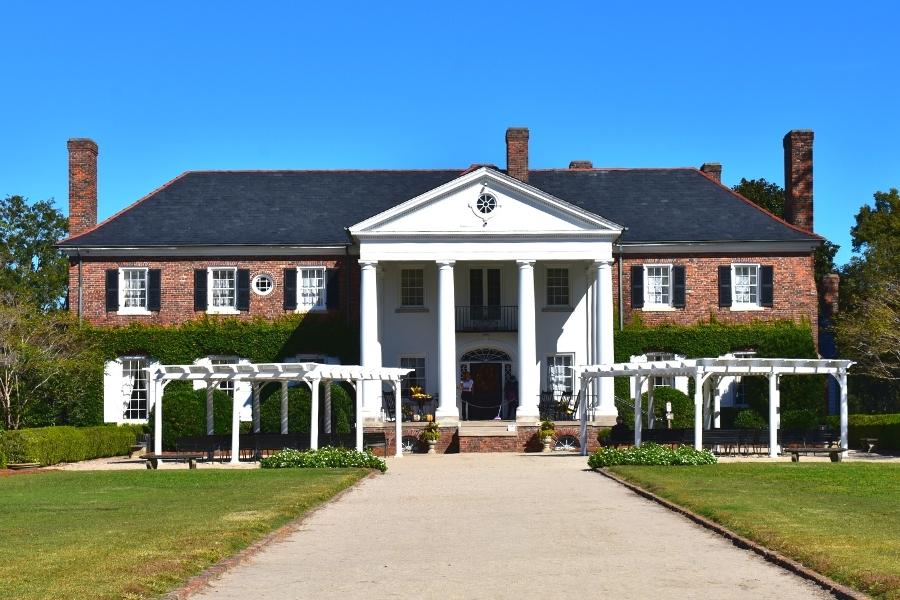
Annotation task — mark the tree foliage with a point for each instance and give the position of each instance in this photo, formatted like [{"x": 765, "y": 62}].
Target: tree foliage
[
  {"x": 868, "y": 328},
  {"x": 30, "y": 266}
]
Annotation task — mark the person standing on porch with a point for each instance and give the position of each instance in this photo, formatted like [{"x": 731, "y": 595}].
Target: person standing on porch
[
  {"x": 512, "y": 396},
  {"x": 467, "y": 385}
]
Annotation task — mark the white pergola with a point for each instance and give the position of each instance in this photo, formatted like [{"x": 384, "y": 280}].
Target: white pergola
[
  {"x": 705, "y": 372},
  {"x": 259, "y": 374}
]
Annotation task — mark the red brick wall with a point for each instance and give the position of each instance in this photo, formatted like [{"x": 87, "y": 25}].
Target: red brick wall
[
  {"x": 177, "y": 274},
  {"x": 525, "y": 441},
  {"x": 794, "y": 294}
]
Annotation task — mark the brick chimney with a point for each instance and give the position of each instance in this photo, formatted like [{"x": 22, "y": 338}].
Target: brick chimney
[
  {"x": 82, "y": 185},
  {"x": 713, "y": 170},
  {"x": 798, "y": 178},
  {"x": 581, "y": 164},
  {"x": 517, "y": 153}
]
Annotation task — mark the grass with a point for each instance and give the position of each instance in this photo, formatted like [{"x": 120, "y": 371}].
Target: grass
[
  {"x": 840, "y": 520},
  {"x": 136, "y": 534}
]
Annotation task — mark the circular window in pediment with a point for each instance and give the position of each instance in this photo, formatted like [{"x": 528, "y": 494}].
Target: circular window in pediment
[{"x": 486, "y": 204}]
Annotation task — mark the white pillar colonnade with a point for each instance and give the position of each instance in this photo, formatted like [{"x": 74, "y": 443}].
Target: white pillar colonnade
[
  {"x": 528, "y": 374},
  {"x": 603, "y": 327},
  {"x": 774, "y": 417},
  {"x": 369, "y": 345},
  {"x": 447, "y": 409}
]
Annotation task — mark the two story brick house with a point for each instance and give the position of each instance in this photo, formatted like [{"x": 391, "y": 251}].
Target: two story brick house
[{"x": 511, "y": 275}]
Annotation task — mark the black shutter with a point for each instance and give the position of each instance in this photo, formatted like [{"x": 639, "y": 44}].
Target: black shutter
[
  {"x": 725, "y": 285},
  {"x": 678, "y": 287},
  {"x": 290, "y": 289},
  {"x": 332, "y": 289},
  {"x": 112, "y": 290},
  {"x": 766, "y": 285},
  {"x": 154, "y": 289},
  {"x": 637, "y": 286},
  {"x": 243, "y": 289},
  {"x": 200, "y": 302}
]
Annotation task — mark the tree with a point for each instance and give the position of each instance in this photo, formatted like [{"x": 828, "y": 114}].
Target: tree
[
  {"x": 770, "y": 196},
  {"x": 868, "y": 328},
  {"x": 30, "y": 266}
]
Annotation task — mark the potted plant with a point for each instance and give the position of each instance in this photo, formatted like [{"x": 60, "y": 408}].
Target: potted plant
[
  {"x": 545, "y": 434},
  {"x": 431, "y": 434}
]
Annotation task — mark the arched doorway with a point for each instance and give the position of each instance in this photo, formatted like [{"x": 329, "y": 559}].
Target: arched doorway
[{"x": 490, "y": 369}]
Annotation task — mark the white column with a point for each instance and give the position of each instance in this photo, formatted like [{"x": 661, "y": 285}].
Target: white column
[
  {"x": 603, "y": 318},
  {"x": 717, "y": 402},
  {"x": 359, "y": 416},
  {"x": 255, "y": 407},
  {"x": 637, "y": 410},
  {"x": 447, "y": 409},
  {"x": 210, "y": 419},
  {"x": 707, "y": 406},
  {"x": 314, "y": 414},
  {"x": 369, "y": 346},
  {"x": 774, "y": 421},
  {"x": 326, "y": 401},
  {"x": 398, "y": 422},
  {"x": 698, "y": 412},
  {"x": 842, "y": 381},
  {"x": 235, "y": 429},
  {"x": 529, "y": 377},
  {"x": 651, "y": 408},
  {"x": 156, "y": 389},
  {"x": 284, "y": 407}
]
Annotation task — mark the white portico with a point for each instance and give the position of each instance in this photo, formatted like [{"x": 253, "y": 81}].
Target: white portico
[{"x": 487, "y": 265}]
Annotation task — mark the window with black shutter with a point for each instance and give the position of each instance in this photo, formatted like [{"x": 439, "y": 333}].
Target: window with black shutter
[
  {"x": 200, "y": 291},
  {"x": 637, "y": 286},
  {"x": 112, "y": 290},
  {"x": 725, "y": 285},
  {"x": 243, "y": 290},
  {"x": 678, "y": 286},
  {"x": 766, "y": 285},
  {"x": 290, "y": 289},
  {"x": 332, "y": 289},
  {"x": 154, "y": 289}
]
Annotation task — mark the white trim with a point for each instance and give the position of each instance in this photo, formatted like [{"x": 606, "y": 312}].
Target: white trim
[
  {"x": 568, "y": 268},
  {"x": 411, "y": 267},
  {"x": 133, "y": 310},
  {"x": 220, "y": 310},
  {"x": 256, "y": 278},
  {"x": 662, "y": 306},
  {"x": 745, "y": 306},
  {"x": 301, "y": 309}
]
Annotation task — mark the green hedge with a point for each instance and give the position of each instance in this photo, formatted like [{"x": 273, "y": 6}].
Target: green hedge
[
  {"x": 184, "y": 412},
  {"x": 299, "y": 399},
  {"x": 886, "y": 428},
  {"x": 53, "y": 445}
]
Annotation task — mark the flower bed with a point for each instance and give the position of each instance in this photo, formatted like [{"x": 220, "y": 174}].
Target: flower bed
[
  {"x": 650, "y": 454},
  {"x": 323, "y": 458}
]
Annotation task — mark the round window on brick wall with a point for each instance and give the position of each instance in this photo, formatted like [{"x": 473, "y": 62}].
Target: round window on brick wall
[{"x": 263, "y": 284}]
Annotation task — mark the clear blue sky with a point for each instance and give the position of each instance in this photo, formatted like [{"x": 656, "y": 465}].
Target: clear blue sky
[{"x": 165, "y": 87}]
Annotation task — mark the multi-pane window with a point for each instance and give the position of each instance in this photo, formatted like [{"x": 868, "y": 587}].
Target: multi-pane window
[
  {"x": 412, "y": 287},
  {"x": 225, "y": 386},
  {"x": 560, "y": 375},
  {"x": 134, "y": 377},
  {"x": 746, "y": 284},
  {"x": 658, "y": 286},
  {"x": 312, "y": 288},
  {"x": 666, "y": 380},
  {"x": 740, "y": 384},
  {"x": 557, "y": 287},
  {"x": 417, "y": 377},
  {"x": 133, "y": 290},
  {"x": 223, "y": 289}
]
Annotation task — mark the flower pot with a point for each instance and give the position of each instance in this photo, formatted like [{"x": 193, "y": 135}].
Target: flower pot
[
  {"x": 431, "y": 444},
  {"x": 548, "y": 442}
]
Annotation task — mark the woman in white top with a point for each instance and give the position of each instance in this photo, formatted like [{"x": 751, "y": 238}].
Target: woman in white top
[{"x": 466, "y": 385}]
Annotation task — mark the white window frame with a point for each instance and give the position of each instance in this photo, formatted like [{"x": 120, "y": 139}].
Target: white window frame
[
  {"x": 134, "y": 310},
  {"x": 258, "y": 277},
  {"x": 650, "y": 305},
  {"x": 126, "y": 401},
  {"x": 301, "y": 308},
  {"x": 420, "y": 381},
  {"x": 227, "y": 385},
  {"x": 568, "y": 376},
  {"x": 739, "y": 390},
  {"x": 735, "y": 305},
  {"x": 661, "y": 380},
  {"x": 568, "y": 271},
  {"x": 400, "y": 302},
  {"x": 220, "y": 310}
]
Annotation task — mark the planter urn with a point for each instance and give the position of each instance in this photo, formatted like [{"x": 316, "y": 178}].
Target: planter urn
[
  {"x": 548, "y": 441},
  {"x": 431, "y": 444}
]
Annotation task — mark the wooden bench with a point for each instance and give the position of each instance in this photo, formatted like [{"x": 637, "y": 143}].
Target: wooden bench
[
  {"x": 833, "y": 452},
  {"x": 153, "y": 460}
]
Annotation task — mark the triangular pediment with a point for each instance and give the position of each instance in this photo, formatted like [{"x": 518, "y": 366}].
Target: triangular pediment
[{"x": 485, "y": 202}]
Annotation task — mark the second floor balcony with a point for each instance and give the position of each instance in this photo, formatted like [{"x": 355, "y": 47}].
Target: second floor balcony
[{"x": 487, "y": 318}]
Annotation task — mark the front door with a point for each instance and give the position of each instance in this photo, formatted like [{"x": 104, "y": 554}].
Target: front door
[{"x": 487, "y": 391}]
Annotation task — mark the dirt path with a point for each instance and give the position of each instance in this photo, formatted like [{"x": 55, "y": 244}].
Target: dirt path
[{"x": 502, "y": 526}]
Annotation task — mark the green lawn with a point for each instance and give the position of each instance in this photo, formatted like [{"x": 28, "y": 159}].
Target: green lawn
[
  {"x": 841, "y": 520},
  {"x": 135, "y": 534}
]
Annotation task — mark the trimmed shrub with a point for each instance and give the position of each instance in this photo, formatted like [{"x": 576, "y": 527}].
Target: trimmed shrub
[
  {"x": 323, "y": 458},
  {"x": 184, "y": 412},
  {"x": 682, "y": 407},
  {"x": 299, "y": 398},
  {"x": 749, "y": 419},
  {"x": 885, "y": 428},
  {"x": 799, "y": 420},
  {"x": 53, "y": 445},
  {"x": 650, "y": 454}
]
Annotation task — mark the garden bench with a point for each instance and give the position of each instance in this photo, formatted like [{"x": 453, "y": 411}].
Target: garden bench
[
  {"x": 153, "y": 460},
  {"x": 834, "y": 452}
]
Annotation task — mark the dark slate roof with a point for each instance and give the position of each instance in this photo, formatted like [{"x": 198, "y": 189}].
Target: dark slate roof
[{"x": 313, "y": 208}]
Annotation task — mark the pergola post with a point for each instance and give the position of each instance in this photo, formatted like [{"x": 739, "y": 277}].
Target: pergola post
[
  {"x": 842, "y": 382},
  {"x": 284, "y": 407},
  {"x": 398, "y": 421},
  {"x": 359, "y": 415},
  {"x": 326, "y": 418},
  {"x": 717, "y": 402},
  {"x": 255, "y": 389},
  {"x": 698, "y": 411},
  {"x": 707, "y": 406},
  {"x": 156, "y": 391},
  {"x": 210, "y": 420},
  {"x": 637, "y": 410},
  {"x": 774, "y": 401},
  {"x": 235, "y": 430},
  {"x": 314, "y": 414},
  {"x": 651, "y": 408}
]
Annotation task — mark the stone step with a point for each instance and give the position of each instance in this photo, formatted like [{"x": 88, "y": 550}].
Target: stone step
[{"x": 487, "y": 429}]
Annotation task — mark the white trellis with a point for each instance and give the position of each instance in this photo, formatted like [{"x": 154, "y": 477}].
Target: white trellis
[
  {"x": 311, "y": 374},
  {"x": 706, "y": 401}
]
